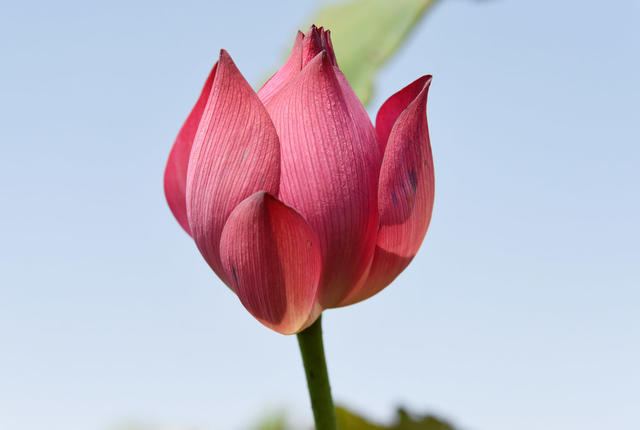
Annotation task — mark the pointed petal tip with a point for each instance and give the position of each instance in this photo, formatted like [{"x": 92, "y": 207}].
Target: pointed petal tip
[
  {"x": 422, "y": 84},
  {"x": 322, "y": 60},
  {"x": 426, "y": 81},
  {"x": 421, "y": 98},
  {"x": 260, "y": 198},
  {"x": 392, "y": 108},
  {"x": 286, "y": 73},
  {"x": 225, "y": 57}
]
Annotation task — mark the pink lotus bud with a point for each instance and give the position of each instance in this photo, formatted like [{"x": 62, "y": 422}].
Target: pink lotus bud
[{"x": 292, "y": 196}]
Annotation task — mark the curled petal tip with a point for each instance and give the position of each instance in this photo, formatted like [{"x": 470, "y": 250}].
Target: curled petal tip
[
  {"x": 421, "y": 98},
  {"x": 391, "y": 109},
  {"x": 426, "y": 82}
]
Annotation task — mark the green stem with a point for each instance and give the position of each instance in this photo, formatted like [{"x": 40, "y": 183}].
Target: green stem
[{"x": 315, "y": 367}]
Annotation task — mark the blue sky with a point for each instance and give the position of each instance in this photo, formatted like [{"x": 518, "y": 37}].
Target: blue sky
[{"x": 519, "y": 312}]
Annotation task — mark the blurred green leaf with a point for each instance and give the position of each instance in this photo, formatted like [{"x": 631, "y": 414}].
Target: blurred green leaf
[
  {"x": 366, "y": 32},
  {"x": 274, "y": 422},
  {"x": 350, "y": 421},
  {"x": 347, "y": 420},
  {"x": 404, "y": 421}
]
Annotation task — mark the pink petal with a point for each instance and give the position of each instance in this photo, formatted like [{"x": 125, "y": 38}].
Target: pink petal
[
  {"x": 175, "y": 173},
  {"x": 393, "y": 107},
  {"x": 272, "y": 258},
  {"x": 282, "y": 77},
  {"x": 330, "y": 166},
  {"x": 235, "y": 153},
  {"x": 405, "y": 196}
]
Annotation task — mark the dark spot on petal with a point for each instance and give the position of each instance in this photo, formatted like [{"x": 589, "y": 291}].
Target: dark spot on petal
[
  {"x": 413, "y": 179},
  {"x": 405, "y": 191},
  {"x": 235, "y": 274},
  {"x": 394, "y": 197}
]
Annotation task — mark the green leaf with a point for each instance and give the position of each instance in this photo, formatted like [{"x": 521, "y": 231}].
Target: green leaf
[
  {"x": 275, "y": 421},
  {"x": 350, "y": 421},
  {"x": 403, "y": 421},
  {"x": 366, "y": 32}
]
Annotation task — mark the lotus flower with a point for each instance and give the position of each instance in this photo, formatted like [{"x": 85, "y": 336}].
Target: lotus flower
[{"x": 296, "y": 201}]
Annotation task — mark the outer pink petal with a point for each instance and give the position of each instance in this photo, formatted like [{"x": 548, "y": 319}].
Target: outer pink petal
[
  {"x": 330, "y": 166},
  {"x": 393, "y": 107},
  {"x": 235, "y": 153},
  {"x": 405, "y": 196},
  {"x": 175, "y": 174},
  {"x": 273, "y": 260},
  {"x": 282, "y": 77}
]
